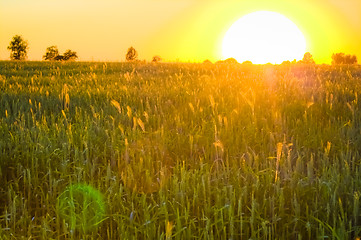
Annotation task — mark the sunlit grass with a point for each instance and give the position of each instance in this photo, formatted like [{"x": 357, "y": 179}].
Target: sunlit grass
[{"x": 181, "y": 150}]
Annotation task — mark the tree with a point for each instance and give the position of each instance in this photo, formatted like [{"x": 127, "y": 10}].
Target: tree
[
  {"x": 307, "y": 58},
  {"x": 70, "y": 55},
  {"x": 341, "y": 58},
  {"x": 18, "y": 47},
  {"x": 131, "y": 55},
  {"x": 230, "y": 61},
  {"x": 51, "y": 53},
  {"x": 59, "y": 58},
  {"x": 156, "y": 59},
  {"x": 350, "y": 59}
]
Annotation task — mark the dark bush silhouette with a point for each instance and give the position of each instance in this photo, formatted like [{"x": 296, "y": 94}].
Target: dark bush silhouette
[
  {"x": 131, "y": 55},
  {"x": 51, "y": 53},
  {"x": 70, "y": 55},
  {"x": 308, "y": 59},
  {"x": 18, "y": 47},
  {"x": 59, "y": 58},
  {"x": 156, "y": 59},
  {"x": 341, "y": 58}
]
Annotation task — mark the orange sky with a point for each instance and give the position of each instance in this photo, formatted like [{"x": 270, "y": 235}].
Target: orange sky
[{"x": 186, "y": 30}]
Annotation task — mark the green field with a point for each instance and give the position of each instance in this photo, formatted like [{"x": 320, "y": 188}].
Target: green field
[{"x": 179, "y": 151}]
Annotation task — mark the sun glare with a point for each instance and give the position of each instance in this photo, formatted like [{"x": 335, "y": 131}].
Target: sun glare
[{"x": 264, "y": 37}]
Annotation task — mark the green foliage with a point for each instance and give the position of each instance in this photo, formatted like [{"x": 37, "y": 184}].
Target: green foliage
[
  {"x": 81, "y": 207},
  {"x": 181, "y": 151},
  {"x": 18, "y": 47}
]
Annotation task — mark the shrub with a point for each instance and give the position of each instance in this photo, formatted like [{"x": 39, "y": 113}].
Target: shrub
[
  {"x": 131, "y": 55},
  {"x": 341, "y": 58}
]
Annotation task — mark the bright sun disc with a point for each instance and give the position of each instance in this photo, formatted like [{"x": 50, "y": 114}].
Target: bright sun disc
[{"x": 264, "y": 37}]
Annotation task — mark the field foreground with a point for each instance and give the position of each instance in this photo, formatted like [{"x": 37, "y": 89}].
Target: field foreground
[{"x": 179, "y": 151}]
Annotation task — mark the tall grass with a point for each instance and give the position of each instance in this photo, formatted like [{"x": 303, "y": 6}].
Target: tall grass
[{"x": 182, "y": 151}]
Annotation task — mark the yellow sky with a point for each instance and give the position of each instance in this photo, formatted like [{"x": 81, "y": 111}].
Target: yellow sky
[{"x": 186, "y": 30}]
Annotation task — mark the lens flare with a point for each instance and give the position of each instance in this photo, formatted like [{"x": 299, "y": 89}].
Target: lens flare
[{"x": 81, "y": 207}]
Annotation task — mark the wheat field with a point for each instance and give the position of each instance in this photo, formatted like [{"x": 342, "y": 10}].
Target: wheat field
[{"x": 93, "y": 150}]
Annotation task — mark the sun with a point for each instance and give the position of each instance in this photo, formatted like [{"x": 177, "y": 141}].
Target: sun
[{"x": 264, "y": 37}]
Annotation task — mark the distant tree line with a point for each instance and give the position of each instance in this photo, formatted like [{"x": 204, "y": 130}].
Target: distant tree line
[
  {"x": 52, "y": 54},
  {"x": 19, "y": 47},
  {"x": 341, "y": 58}
]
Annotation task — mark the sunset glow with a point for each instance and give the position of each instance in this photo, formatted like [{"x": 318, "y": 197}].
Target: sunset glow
[
  {"x": 264, "y": 37},
  {"x": 180, "y": 119},
  {"x": 178, "y": 30}
]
